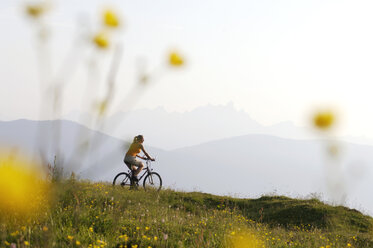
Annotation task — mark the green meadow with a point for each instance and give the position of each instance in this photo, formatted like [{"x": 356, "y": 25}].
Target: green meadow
[{"x": 86, "y": 214}]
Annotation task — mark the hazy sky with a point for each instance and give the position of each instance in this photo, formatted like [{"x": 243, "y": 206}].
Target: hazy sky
[{"x": 276, "y": 60}]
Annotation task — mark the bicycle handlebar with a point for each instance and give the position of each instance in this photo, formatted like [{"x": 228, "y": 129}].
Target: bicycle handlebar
[{"x": 147, "y": 159}]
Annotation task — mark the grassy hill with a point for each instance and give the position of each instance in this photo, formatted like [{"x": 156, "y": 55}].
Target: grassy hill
[{"x": 84, "y": 214}]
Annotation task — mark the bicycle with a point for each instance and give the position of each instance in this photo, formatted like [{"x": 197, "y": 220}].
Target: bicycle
[{"x": 152, "y": 180}]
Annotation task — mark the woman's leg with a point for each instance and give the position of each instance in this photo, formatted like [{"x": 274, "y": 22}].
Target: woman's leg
[
  {"x": 139, "y": 165},
  {"x": 136, "y": 164}
]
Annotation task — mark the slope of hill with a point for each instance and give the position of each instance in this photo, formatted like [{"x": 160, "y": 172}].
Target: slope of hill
[{"x": 84, "y": 214}]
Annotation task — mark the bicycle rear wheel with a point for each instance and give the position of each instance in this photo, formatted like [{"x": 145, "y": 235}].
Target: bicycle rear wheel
[
  {"x": 153, "y": 181},
  {"x": 123, "y": 180}
]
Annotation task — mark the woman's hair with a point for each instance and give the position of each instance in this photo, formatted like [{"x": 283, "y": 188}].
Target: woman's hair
[{"x": 138, "y": 138}]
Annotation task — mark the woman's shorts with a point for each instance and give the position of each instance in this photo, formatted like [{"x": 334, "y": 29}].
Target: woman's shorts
[{"x": 132, "y": 161}]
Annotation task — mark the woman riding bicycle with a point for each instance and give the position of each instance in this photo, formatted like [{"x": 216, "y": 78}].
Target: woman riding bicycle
[{"x": 131, "y": 160}]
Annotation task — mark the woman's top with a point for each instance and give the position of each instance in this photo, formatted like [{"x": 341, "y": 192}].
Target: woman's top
[{"x": 135, "y": 148}]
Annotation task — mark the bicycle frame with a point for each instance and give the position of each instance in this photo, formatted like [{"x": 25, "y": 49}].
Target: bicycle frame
[{"x": 146, "y": 170}]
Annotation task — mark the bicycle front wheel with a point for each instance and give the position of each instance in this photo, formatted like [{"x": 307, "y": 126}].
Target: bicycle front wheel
[
  {"x": 153, "y": 181},
  {"x": 123, "y": 180}
]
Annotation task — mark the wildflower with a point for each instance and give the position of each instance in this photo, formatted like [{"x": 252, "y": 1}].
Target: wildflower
[
  {"x": 101, "y": 40},
  {"x": 165, "y": 236},
  {"x": 333, "y": 150},
  {"x": 70, "y": 237},
  {"x": 35, "y": 10},
  {"x": 6, "y": 242},
  {"x": 155, "y": 238},
  {"x": 111, "y": 19},
  {"x": 77, "y": 242},
  {"x": 245, "y": 239},
  {"x": 324, "y": 120},
  {"x": 91, "y": 229},
  {"x": 175, "y": 59},
  {"x": 21, "y": 188},
  {"x": 26, "y": 243},
  {"x": 45, "y": 228}
]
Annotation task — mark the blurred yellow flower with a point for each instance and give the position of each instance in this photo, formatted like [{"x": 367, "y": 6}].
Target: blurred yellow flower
[
  {"x": 45, "y": 228},
  {"x": 111, "y": 19},
  {"x": 101, "y": 40},
  {"x": 324, "y": 120},
  {"x": 333, "y": 150},
  {"x": 27, "y": 243},
  {"x": 70, "y": 237},
  {"x": 175, "y": 59},
  {"x": 77, "y": 242},
  {"x": 244, "y": 239},
  {"x": 35, "y": 10},
  {"x": 22, "y": 188}
]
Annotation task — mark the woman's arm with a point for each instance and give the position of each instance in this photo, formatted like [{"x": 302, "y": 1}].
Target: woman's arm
[{"x": 147, "y": 155}]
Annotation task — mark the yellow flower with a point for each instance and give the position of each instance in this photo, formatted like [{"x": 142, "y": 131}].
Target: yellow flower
[
  {"x": 91, "y": 229},
  {"x": 27, "y": 243},
  {"x": 77, "y": 242},
  {"x": 155, "y": 238},
  {"x": 111, "y": 19},
  {"x": 245, "y": 239},
  {"x": 22, "y": 189},
  {"x": 45, "y": 228},
  {"x": 175, "y": 59},
  {"x": 6, "y": 242},
  {"x": 101, "y": 40},
  {"x": 70, "y": 237},
  {"x": 324, "y": 120},
  {"x": 35, "y": 10}
]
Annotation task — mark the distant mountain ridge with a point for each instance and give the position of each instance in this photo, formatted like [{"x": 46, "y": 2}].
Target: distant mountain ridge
[{"x": 203, "y": 124}]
